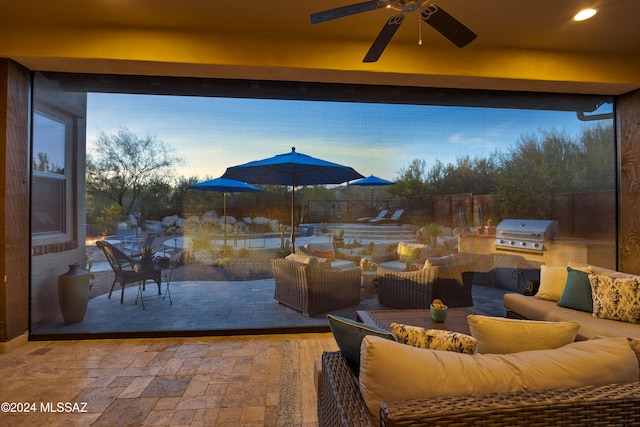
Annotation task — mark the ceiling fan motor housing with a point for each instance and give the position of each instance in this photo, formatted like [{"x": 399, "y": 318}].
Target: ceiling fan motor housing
[{"x": 407, "y": 6}]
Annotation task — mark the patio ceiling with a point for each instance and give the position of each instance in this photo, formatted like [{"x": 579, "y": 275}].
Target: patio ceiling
[{"x": 531, "y": 46}]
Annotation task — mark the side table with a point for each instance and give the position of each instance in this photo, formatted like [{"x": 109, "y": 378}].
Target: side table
[{"x": 368, "y": 284}]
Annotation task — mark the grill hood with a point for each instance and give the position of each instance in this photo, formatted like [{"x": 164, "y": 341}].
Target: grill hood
[{"x": 525, "y": 234}]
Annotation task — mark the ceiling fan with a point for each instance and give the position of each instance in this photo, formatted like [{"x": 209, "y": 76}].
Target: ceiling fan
[{"x": 430, "y": 13}]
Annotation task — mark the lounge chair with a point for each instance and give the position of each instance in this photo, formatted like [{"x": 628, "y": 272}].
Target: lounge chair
[
  {"x": 121, "y": 236},
  {"x": 133, "y": 246},
  {"x": 393, "y": 218},
  {"x": 382, "y": 214}
]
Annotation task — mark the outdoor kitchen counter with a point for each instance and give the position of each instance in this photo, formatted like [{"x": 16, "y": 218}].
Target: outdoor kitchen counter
[{"x": 558, "y": 251}]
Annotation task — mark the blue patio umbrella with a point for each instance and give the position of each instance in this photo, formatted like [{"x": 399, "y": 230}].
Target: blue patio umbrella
[
  {"x": 372, "y": 181},
  {"x": 292, "y": 169},
  {"x": 224, "y": 185}
]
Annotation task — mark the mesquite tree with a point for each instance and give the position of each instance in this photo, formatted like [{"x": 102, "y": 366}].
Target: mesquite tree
[{"x": 121, "y": 166}]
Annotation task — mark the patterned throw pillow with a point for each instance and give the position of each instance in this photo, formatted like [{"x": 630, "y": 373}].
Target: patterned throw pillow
[
  {"x": 434, "y": 339},
  {"x": 616, "y": 299}
]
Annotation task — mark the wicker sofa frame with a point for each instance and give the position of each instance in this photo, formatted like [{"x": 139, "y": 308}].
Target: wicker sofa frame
[
  {"x": 313, "y": 290},
  {"x": 341, "y": 404},
  {"x": 418, "y": 289}
]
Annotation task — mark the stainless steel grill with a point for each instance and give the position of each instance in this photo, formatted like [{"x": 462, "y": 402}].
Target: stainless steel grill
[{"x": 525, "y": 234}]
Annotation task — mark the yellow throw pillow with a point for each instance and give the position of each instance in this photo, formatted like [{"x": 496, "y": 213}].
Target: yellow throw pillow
[
  {"x": 552, "y": 281},
  {"x": 408, "y": 253},
  {"x": 501, "y": 335}
]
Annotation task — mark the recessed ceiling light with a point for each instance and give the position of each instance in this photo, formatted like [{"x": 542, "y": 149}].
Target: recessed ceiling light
[{"x": 584, "y": 14}]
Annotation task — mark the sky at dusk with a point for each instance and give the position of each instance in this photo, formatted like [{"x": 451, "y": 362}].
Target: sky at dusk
[{"x": 212, "y": 134}]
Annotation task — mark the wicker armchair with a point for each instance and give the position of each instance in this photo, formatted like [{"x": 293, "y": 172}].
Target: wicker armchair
[
  {"x": 407, "y": 289},
  {"x": 341, "y": 404},
  {"x": 418, "y": 288},
  {"x": 311, "y": 289}
]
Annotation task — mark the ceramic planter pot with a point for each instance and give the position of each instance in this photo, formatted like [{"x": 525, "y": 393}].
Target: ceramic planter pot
[
  {"x": 439, "y": 315},
  {"x": 73, "y": 293}
]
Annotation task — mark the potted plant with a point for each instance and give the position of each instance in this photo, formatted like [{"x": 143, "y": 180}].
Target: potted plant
[
  {"x": 438, "y": 311},
  {"x": 147, "y": 258}
]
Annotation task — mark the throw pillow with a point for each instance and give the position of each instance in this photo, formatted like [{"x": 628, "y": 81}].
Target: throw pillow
[
  {"x": 501, "y": 335},
  {"x": 616, "y": 299},
  {"x": 552, "y": 281},
  {"x": 393, "y": 372},
  {"x": 434, "y": 339},
  {"x": 349, "y": 334},
  {"x": 408, "y": 253},
  {"x": 327, "y": 254},
  {"x": 577, "y": 291}
]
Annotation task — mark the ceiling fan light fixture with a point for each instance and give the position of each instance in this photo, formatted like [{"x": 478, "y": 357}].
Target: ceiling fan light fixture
[
  {"x": 406, "y": 6},
  {"x": 585, "y": 14}
]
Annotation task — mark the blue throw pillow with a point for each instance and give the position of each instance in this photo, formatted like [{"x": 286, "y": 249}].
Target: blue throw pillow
[
  {"x": 577, "y": 291},
  {"x": 349, "y": 334}
]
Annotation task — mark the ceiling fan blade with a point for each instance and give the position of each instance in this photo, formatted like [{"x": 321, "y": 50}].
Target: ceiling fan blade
[
  {"x": 447, "y": 25},
  {"x": 383, "y": 39},
  {"x": 341, "y": 12}
]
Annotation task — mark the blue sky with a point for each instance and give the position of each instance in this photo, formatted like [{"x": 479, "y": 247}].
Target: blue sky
[{"x": 381, "y": 139}]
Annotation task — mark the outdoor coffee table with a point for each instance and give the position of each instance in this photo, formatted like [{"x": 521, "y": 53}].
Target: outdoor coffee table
[{"x": 456, "y": 318}]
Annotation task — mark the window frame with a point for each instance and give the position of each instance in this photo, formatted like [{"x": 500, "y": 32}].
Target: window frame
[{"x": 65, "y": 228}]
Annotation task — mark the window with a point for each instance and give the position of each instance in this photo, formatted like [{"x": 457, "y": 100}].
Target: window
[{"x": 49, "y": 175}]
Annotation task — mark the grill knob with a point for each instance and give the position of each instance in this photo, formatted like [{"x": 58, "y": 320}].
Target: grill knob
[
  {"x": 536, "y": 245},
  {"x": 523, "y": 244},
  {"x": 512, "y": 243}
]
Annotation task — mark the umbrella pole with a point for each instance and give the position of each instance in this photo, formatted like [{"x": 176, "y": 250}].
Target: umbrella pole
[
  {"x": 293, "y": 229},
  {"x": 224, "y": 212}
]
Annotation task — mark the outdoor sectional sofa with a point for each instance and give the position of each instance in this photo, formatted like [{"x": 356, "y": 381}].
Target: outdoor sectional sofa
[
  {"x": 565, "y": 294},
  {"x": 340, "y": 403},
  {"x": 506, "y": 372}
]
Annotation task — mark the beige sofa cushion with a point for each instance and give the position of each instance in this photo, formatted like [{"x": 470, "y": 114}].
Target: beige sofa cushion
[
  {"x": 313, "y": 249},
  {"x": 599, "y": 270},
  {"x": 303, "y": 259},
  {"x": 590, "y": 326},
  {"x": 501, "y": 336},
  {"x": 390, "y": 371}
]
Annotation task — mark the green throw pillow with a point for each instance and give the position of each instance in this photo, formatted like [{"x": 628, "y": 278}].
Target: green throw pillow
[
  {"x": 349, "y": 334},
  {"x": 577, "y": 291}
]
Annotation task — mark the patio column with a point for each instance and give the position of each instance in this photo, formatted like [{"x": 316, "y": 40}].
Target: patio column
[{"x": 15, "y": 83}]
